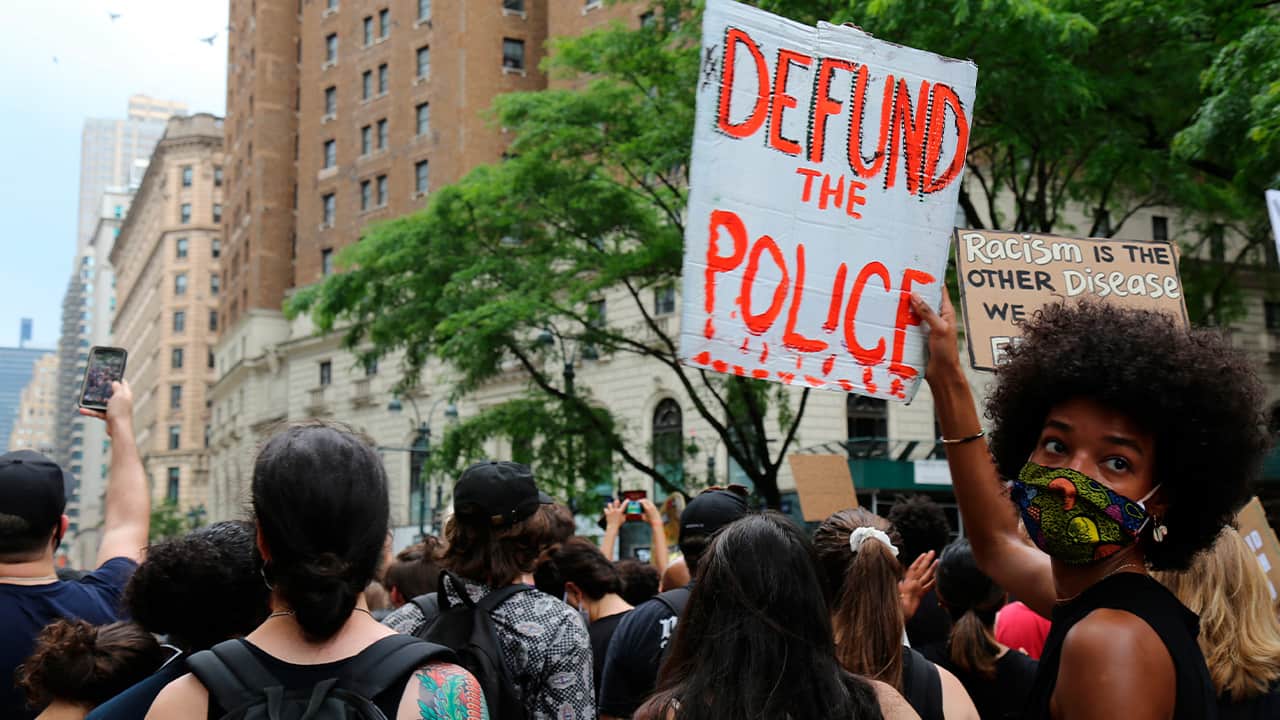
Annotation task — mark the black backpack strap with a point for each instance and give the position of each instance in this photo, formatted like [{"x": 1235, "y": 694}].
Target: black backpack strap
[
  {"x": 675, "y": 600},
  {"x": 490, "y": 602},
  {"x": 921, "y": 685},
  {"x": 429, "y": 605},
  {"x": 389, "y": 661},
  {"x": 231, "y": 674}
]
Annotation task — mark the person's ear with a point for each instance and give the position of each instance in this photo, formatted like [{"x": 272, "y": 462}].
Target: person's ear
[
  {"x": 60, "y": 531},
  {"x": 574, "y": 593},
  {"x": 262, "y": 545},
  {"x": 396, "y": 598}
]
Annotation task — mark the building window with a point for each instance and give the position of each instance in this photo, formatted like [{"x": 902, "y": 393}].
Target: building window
[
  {"x": 647, "y": 19},
  {"x": 175, "y": 359},
  {"x": 217, "y": 212},
  {"x": 186, "y": 177},
  {"x": 424, "y": 118},
  {"x": 421, "y": 177},
  {"x": 326, "y": 261},
  {"x": 1159, "y": 228},
  {"x": 175, "y": 397},
  {"x": 368, "y": 30},
  {"x": 513, "y": 5},
  {"x": 184, "y": 213},
  {"x": 182, "y": 244},
  {"x": 331, "y": 100},
  {"x": 331, "y": 4},
  {"x": 366, "y": 85},
  {"x": 179, "y": 321},
  {"x": 330, "y": 153},
  {"x": 664, "y": 299},
  {"x": 382, "y": 191},
  {"x": 326, "y": 372},
  {"x": 217, "y": 176},
  {"x": 424, "y": 62},
  {"x": 513, "y": 54},
  {"x": 331, "y": 48},
  {"x": 424, "y": 9},
  {"x": 371, "y": 367},
  {"x": 366, "y": 139},
  {"x": 668, "y": 441},
  {"x": 1217, "y": 243},
  {"x": 366, "y": 194},
  {"x": 215, "y": 248},
  {"x": 175, "y": 437},
  {"x": 175, "y": 481},
  {"x": 1272, "y": 310},
  {"x": 215, "y": 284},
  {"x": 329, "y": 205},
  {"x": 867, "y": 424},
  {"x": 213, "y": 320},
  {"x": 383, "y": 78},
  {"x": 213, "y": 362},
  {"x": 180, "y": 284},
  {"x": 384, "y": 23},
  {"x": 382, "y": 134}
]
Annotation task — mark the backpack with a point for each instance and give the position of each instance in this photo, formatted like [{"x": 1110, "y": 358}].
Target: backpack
[
  {"x": 247, "y": 690},
  {"x": 467, "y": 628}
]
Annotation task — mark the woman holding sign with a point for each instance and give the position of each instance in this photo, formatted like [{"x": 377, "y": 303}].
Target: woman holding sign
[{"x": 1127, "y": 442}]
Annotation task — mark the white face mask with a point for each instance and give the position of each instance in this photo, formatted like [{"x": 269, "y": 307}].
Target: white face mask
[{"x": 580, "y": 607}]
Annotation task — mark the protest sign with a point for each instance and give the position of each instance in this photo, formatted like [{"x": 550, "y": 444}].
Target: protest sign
[
  {"x": 1005, "y": 277},
  {"x": 824, "y": 485},
  {"x": 823, "y": 189},
  {"x": 1273, "y": 209},
  {"x": 1261, "y": 540}
]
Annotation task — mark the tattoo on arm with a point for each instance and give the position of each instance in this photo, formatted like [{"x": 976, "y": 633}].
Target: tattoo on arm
[{"x": 448, "y": 692}]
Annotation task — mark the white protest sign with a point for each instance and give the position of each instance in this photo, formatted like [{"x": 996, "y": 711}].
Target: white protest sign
[
  {"x": 1273, "y": 209},
  {"x": 826, "y": 170}
]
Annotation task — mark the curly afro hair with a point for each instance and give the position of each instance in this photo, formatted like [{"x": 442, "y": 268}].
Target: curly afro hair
[
  {"x": 85, "y": 664},
  {"x": 201, "y": 588},
  {"x": 923, "y": 525},
  {"x": 1192, "y": 391}
]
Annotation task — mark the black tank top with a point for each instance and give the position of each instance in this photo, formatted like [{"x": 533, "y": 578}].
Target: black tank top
[{"x": 1177, "y": 626}]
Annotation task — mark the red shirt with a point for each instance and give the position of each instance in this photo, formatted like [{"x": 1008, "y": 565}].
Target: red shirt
[{"x": 1020, "y": 628}]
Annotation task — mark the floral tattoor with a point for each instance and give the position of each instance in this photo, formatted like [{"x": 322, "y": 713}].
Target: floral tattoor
[{"x": 449, "y": 692}]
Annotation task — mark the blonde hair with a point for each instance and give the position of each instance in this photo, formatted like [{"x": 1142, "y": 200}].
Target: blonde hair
[{"x": 1239, "y": 632}]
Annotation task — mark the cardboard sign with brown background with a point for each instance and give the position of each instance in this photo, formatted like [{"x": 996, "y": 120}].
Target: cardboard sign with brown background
[
  {"x": 1261, "y": 539},
  {"x": 1005, "y": 277},
  {"x": 824, "y": 485}
]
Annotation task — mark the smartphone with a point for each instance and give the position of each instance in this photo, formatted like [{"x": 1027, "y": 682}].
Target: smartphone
[
  {"x": 106, "y": 365},
  {"x": 633, "y": 509}
]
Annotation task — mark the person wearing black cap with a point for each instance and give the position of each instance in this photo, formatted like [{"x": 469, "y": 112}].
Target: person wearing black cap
[
  {"x": 640, "y": 642},
  {"x": 32, "y": 524},
  {"x": 501, "y": 525}
]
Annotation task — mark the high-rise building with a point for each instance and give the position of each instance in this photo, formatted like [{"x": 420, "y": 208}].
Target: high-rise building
[
  {"x": 167, "y": 276},
  {"x": 33, "y": 425},
  {"x": 109, "y": 148},
  {"x": 17, "y": 366}
]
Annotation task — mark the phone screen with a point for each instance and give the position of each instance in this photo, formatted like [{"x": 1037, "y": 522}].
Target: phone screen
[
  {"x": 634, "y": 508},
  {"x": 106, "y": 365}
]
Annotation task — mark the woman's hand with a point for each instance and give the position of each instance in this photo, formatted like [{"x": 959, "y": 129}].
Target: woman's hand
[
  {"x": 918, "y": 580},
  {"x": 944, "y": 353},
  {"x": 614, "y": 514}
]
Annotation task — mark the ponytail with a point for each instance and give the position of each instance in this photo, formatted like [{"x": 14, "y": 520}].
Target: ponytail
[
  {"x": 973, "y": 647},
  {"x": 322, "y": 594},
  {"x": 972, "y": 598}
]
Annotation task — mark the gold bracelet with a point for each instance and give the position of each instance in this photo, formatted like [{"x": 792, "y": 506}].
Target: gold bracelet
[{"x": 960, "y": 441}]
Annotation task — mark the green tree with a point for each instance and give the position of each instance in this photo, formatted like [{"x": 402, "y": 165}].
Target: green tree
[
  {"x": 506, "y": 270},
  {"x": 167, "y": 521}
]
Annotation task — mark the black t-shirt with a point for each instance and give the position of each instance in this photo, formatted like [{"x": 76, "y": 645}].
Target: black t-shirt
[
  {"x": 631, "y": 663},
  {"x": 601, "y": 632},
  {"x": 1002, "y": 697},
  {"x": 1177, "y": 626},
  {"x": 1262, "y": 707},
  {"x": 931, "y": 624}
]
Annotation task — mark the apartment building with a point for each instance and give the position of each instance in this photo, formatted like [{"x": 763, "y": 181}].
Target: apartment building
[
  {"x": 167, "y": 262},
  {"x": 34, "y": 421}
]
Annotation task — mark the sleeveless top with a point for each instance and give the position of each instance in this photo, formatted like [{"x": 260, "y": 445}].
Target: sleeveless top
[
  {"x": 1144, "y": 597},
  {"x": 1260, "y": 707},
  {"x": 921, "y": 685}
]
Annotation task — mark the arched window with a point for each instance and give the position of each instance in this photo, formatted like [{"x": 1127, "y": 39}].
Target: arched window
[
  {"x": 868, "y": 425},
  {"x": 668, "y": 441}
]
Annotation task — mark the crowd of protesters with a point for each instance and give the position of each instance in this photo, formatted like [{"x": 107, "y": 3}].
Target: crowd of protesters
[{"x": 1099, "y": 574}]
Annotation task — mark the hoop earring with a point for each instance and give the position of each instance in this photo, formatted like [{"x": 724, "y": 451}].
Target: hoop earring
[
  {"x": 1160, "y": 531},
  {"x": 263, "y": 571}
]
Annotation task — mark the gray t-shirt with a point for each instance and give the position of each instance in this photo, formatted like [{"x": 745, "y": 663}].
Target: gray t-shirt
[{"x": 545, "y": 645}]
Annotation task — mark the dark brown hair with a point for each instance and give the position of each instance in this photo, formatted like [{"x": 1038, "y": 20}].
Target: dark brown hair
[
  {"x": 416, "y": 569},
  {"x": 580, "y": 562},
  {"x": 866, "y": 614},
  {"x": 972, "y": 599},
  {"x": 86, "y": 664},
  {"x": 498, "y": 556}
]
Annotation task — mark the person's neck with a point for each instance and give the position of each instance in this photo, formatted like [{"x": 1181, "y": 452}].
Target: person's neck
[
  {"x": 610, "y": 604},
  {"x": 30, "y": 572},
  {"x": 63, "y": 710},
  {"x": 1072, "y": 580}
]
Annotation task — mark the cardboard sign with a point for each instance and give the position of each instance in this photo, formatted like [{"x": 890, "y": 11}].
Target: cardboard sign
[
  {"x": 1273, "y": 209},
  {"x": 826, "y": 170},
  {"x": 1005, "y": 277},
  {"x": 1261, "y": 539},
  {"x": 824, "y": 485}
]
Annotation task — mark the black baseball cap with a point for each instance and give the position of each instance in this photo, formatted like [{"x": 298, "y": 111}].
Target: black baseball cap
[
  {"x": 497, "y": 493},
  {"x": 711, "y": 511},
  {"x": 34, "y": 488}
]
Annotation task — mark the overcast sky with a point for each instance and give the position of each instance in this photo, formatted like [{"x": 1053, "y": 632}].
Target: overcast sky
[{"x": 153, "y": 48}]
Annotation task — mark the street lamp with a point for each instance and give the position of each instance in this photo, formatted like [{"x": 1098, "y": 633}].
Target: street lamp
[
  {"x": 420, "y": 453},
  {"x": 586, "y": 351}
]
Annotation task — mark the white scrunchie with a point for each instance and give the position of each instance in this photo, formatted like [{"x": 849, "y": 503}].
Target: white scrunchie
[{"x": 862, "y": 534}]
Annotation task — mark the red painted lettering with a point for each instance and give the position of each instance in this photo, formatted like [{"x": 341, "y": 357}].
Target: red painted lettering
[
  {"x": 828, "y": 191},
  {"x": 943, "y": 98},
  {"x": 732, "y": 39},
  {"x": 782, "y": 101},
  {"x": 905, "y": 318},
  {"x": 837, "y": 296},
  {"x": 809, "y": 175},
  {"x": 824, "y": 106},
  {"x": 717, "y": 263},
  {"x": 858, "y": 163},
  {"x": 757, "y": 324},
  {"x": 907, "y": 136},
  {"x": 860, "y": 353}
]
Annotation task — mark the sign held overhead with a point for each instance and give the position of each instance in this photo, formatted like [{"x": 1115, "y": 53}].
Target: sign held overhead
[{"x": 826, "y": 171}]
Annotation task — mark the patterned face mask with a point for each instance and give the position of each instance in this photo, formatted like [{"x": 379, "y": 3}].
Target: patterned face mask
[{"x": 1075, "y": 518}]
